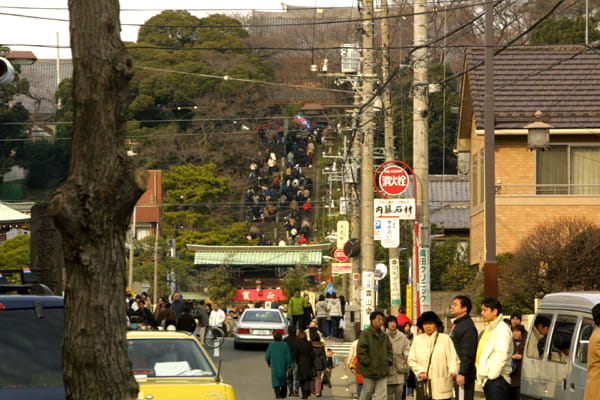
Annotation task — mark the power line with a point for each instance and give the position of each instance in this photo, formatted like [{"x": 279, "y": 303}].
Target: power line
[
  {"x": 295, "y": 9},
  {"x": 230, "y": 78},
  {"x": 328, "y": 22},
  {"x": 224, "y": 119}
]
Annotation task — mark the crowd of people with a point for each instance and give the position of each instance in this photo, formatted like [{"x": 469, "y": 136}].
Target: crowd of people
[
  {"x": 178, "y": 315},
  {"x": 391, "y": 359},
  {"x": 301, "y": 365},
  {"x": 278, "y": 189},
  {"x": 328, "y": 311}
]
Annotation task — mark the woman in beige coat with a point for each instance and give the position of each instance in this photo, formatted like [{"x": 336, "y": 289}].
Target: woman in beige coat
[
  {"x": 444, "y": 360},
  {"x": 400, "y": 350},
  {"x": 592, "y": 386}
]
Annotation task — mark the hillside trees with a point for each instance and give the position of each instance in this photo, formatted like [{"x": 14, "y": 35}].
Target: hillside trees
[
  {"x": 11, "y": 115},
  {"x": 170, "y": 105}
]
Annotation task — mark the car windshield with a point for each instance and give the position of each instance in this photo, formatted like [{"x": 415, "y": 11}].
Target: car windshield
[
  {"x": 168, "y": 357},
  {"x": 31, "y": 348},
  {"x": 261, "y": 316}
]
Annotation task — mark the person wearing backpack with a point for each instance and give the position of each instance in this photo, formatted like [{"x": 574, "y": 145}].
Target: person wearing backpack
[{"x": 400, "y": 351}]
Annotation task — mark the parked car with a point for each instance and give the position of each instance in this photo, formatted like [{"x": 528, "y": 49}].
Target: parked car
[
  {"x": 31, "y": 331},
  {"x": 256, "y": 325},
  {"x": 173, "y": 366},
  {"x": 555, "y": 360}
]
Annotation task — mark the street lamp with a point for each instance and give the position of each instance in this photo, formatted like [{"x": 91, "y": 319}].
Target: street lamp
[
  {"x": 9, "y": 60},
  {"x": 538, "y": 133}
]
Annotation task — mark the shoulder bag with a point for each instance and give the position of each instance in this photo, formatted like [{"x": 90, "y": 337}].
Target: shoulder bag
[{"x": 424, "y": 385}]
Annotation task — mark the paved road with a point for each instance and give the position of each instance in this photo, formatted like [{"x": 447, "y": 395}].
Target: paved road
[{"x": 247, "y": 371}]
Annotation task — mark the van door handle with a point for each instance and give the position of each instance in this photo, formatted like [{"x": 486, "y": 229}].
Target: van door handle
[
  {"x": 572, "y": 385},
  {"x": 564, "y": 383}
]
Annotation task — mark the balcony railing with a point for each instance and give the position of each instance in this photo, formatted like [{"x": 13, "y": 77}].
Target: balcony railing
[{"x": 548, "y": 190}]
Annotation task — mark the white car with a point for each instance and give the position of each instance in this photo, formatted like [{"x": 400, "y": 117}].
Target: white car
[{"x": 257, "y": 325}]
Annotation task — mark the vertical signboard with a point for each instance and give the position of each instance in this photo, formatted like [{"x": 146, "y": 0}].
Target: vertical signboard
[
  {"x": 368, "y": 297},
  {"x": 390, "y": 233},
  {"x": 343, "y": 233},
  {"x": 377, "y": 229},
  {"x": 409, "y": 310},
  {"x": 424, "y": 280},
  {"x": 395, "y": 294}
]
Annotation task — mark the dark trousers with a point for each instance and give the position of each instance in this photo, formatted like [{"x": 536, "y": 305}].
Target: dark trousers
[
  {"x": 305, "y": 386},
  {"x": 497, "y": 389},
  {"x": 469, "y": 389},
  {"x": 515, "y": 393},
  {"x": 280, "y": 392},
  {"x": 298, "y": 321},
  {"x": 335, "y": 324},
  {"x": 321, "y": 323}
]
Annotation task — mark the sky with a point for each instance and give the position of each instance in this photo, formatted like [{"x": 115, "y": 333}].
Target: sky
[{"x": 19, "y": 30}]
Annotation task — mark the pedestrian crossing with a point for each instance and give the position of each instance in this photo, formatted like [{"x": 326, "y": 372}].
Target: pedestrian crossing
[{"x": 340, "y": 349}]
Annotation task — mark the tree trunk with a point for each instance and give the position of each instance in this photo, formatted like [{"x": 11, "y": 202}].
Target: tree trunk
[{"x": 93, "y": 208}]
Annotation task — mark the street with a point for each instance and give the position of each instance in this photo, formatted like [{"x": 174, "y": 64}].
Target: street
[{"x": 247, "y": 371}]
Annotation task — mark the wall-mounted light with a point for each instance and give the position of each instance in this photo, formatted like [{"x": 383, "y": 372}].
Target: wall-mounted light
[{"x": 538, "y": 133}]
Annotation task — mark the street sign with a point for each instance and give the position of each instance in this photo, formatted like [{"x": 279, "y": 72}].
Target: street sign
[
  {"x": 390, "y": 233},
  {"x": 380, "y": 271},
  {"x": 395, "y": 294},
  {"x": 424, "y": 281},
  {"x": 330, "y": 289},
  {"x": 340, "y": 256},
  {"x": 367, "y": 304},
  {"x": 395, "y": 208},
  {"x": 343, "y": 233},
  {"x": 341, "y": 268},
  {"x": 377, "y": 230},
  {"x": 393, "y": 180}
]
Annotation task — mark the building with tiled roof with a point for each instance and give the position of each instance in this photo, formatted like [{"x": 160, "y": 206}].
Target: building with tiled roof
[{"x": 532, "y": 186}]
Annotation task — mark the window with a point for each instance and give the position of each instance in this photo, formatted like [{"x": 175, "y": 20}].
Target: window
[
  {"x": 31, "y": 348},
  {"x": 587, "y": 327},
  {"x": 568, "y": 169},
  {"x": 562, "y": 335},
  {"x": 262, "y": 316},
  {"x": 536, "y": 342},
  {"x": 481, "y": 177},
  {"x": 474, "y": 180},
  {"x": 168, "y": 357}
]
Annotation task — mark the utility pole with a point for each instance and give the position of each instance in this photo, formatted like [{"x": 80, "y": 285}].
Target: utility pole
[
  {"x": 421, "y": 158},
  {"x": 155, "y": 284},
  {"x": 490, "y": 268},
  {"x": 352, "y": 190},
  {"x": 388, "y": 130},
  {"x": 131, "y": 244},
  {"x": 367, "y": 128}
]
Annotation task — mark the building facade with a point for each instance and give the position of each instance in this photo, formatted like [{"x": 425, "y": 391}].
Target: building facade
[{"x": 532, "y": 186}]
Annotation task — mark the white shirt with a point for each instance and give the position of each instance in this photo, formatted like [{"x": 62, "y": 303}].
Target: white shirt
[{"x": 217, "y": 317}]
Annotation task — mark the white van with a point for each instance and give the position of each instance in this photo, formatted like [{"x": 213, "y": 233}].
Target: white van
[{"x": 555, "y": 359}]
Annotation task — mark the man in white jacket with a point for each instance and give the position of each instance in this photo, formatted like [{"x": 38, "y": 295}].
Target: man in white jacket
[
  {"x": 494, "y": 352},
  {"x": 217, "y": 317}
]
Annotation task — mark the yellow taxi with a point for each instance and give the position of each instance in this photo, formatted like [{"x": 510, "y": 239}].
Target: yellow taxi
[{"x": 174, "y": 366}]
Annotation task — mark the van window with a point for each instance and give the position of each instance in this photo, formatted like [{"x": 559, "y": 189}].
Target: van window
[
  {"x": 562, "y": 335},
  {"x": 587, "y": 327},
  {"x": 537, "y": 336}
]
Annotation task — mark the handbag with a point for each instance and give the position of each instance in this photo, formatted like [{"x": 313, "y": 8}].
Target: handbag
[{"x": 424, "y": 385}]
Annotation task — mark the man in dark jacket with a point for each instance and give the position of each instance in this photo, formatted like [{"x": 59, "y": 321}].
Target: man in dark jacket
[
  {"x": 178, "y": 305},
  {"x": 375, "y": 357},
  {"x": 465, "y": 337},
  {"x": 294, "y": 382},
  {"x": 202, "y": 317},
  {"x": 146, "y": 315},
  {"x": 186, "y": 321}
]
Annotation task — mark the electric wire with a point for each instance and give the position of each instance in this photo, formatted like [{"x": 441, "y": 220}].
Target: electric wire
[{"x": 254, "y": 26}]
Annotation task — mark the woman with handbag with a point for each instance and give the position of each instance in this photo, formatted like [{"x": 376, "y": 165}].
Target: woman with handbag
[
  {"x": 433, "y": 359},
  {"x": 400, "y": 351}
]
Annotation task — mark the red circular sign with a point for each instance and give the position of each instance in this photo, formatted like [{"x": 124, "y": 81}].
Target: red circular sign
[
  {"x": 393, "y": 180},
  {"x": 340, "y": 256}
]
